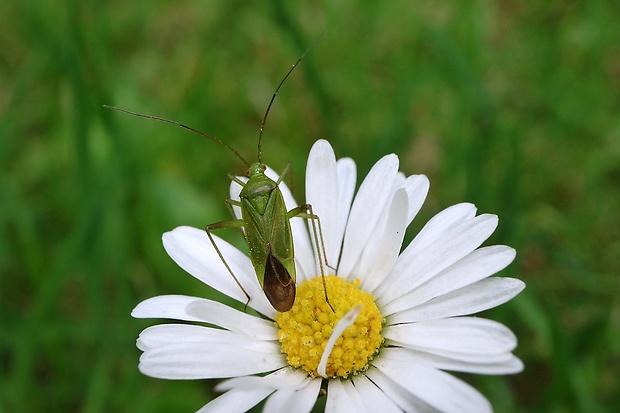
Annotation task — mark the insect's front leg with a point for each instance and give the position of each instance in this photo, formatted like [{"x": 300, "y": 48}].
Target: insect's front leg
[
  {"x": 286, "y": 172},
  {"x": 236, "y": 180},
  {"x": 305, "y": 211},
  {"x": 229, "y": 204},
  {"x": 237, "y": 223}
]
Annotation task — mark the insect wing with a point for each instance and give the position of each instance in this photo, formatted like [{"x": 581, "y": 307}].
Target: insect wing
[
  {"x": 279, "y": 287},
  {"x": 270, "y": 240}
]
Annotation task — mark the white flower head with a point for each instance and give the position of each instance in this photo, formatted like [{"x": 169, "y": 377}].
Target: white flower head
[{"x": 400, "y": 319}]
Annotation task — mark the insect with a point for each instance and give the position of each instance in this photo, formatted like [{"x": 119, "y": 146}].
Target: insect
[{"x": 265, "y": 219}]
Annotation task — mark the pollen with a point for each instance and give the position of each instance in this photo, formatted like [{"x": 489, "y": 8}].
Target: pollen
[{"x": 306, "y": 328}]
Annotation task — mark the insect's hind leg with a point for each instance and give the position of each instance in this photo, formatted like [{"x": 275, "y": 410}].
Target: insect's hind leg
[
  {"x": 237, "y": 223},
  {"x": 305, "y": 211}
]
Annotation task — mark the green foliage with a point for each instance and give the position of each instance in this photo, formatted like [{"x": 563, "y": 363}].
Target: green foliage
[{"x": 510, "y": 105}]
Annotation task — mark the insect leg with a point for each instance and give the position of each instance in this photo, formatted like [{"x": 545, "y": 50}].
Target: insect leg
[
  {"x": 286, "y": 172},
  {"x": 229, "y": 204},
  {"x": 237, "y": 180},
  {"x": 305, "y": 211},
  {"x": 237, "y": 223}
]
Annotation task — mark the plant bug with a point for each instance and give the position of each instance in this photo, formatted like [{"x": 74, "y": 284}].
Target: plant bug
[{"x": 265, "y": 220}]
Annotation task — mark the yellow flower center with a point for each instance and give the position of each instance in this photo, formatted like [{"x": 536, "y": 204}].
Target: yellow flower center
[{"x": 306, "y": 328}]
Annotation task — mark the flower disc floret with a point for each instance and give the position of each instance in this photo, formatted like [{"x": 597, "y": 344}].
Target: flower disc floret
[{"x": 306, "y": 328}]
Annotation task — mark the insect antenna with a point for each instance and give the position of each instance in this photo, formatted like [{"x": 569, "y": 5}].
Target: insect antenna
[
  {"x": 206, "y": 135},
  {"x": 262, "y": 125}
]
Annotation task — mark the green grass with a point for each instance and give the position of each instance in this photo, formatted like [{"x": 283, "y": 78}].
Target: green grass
[{"x": 513, "y": 107}]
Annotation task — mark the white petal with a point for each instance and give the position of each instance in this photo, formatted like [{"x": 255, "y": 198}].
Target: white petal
[
  {"x": 387, "y": 242},
  {"x": 353, "y": 394},
  {"x": 339, "y": 400},
  {"x": 192, "y": 250},
  {"x": 373, "y": 398},
  {"x": 379, "y": 227},
  {"x": 166, "y": 306},
  {"x": 236, "y": 401},
  {"x": 401, "y": 396},
  {"x": 294, "y": 401},
  {"x": 443, "y": 251},
  {"x": 382, "y": 249},
  {"x": 295, "y": 391},
  {"x": 480, "y": 296},
  {"x": 322, "y": 194},
  {"x": 462, "y": 335},
  {"x": 477, "y": 265},
  {"x": 347, "y": 178},
  {"x": 435, "y": 387},
  {"x": 442, "y": 223},
  {"x": 307, "y": 397},
  {"x": 497, "y": 359},
  {"x": 286, "y": 378},
  {"x": 417, "y": 188},
  {"x": 194, "y": 360},
  {"x": 282, "y": 401},
  {"x": 179, "y": 307},
  {"x": 170, "y": 334},
  {"x": 435, "y": 228},
  {"x": 479, "y": 364},
  {"x": 232, "y": 319},
  {"x": 374, "y": 193}
]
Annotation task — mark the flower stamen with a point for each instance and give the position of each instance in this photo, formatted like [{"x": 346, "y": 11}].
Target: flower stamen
[
  {"x": 344, "y": 323},
  {"x": 328, "y": 343}
]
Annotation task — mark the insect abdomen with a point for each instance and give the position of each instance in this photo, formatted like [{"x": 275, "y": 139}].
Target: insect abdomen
[{"x": 278, "y": 285}]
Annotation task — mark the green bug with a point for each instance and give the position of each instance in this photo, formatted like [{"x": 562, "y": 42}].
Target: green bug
[
  {"x": 268, "y": 235},
  {"x": 266, "y": 221}
]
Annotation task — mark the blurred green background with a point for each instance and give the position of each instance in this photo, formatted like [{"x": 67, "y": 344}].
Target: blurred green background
[{"x": 510, "y": 105}]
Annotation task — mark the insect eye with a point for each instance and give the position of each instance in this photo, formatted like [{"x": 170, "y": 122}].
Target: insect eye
[
  {"x": 247, "y": 173},
  {"x": 263, "y": 167}
]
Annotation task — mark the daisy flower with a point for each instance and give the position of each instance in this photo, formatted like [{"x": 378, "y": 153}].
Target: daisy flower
[{"x": 400, "y": 319}]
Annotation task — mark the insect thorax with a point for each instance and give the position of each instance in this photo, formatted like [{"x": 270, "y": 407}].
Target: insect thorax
[{"x": 258, "y": 189}]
